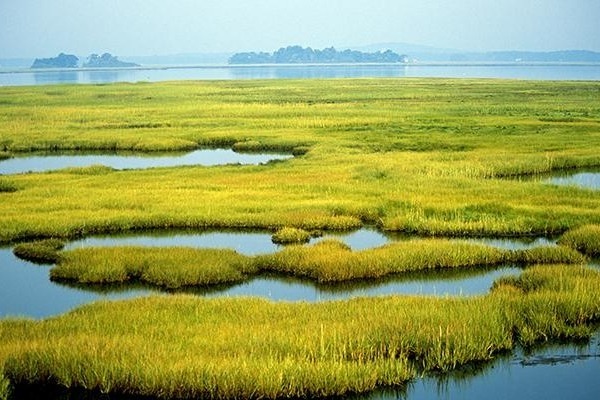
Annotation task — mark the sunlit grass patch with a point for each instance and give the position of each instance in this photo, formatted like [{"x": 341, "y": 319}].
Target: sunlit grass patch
[
  {"x": 288, "y": 235},
  {"x": 170, "y": 268},
  {"x": 584, "y": 238}
]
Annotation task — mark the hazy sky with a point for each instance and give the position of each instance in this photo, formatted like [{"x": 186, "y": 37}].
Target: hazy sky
[{"x": 43, "y": 28}]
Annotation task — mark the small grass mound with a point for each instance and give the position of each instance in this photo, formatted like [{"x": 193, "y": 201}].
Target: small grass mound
[
  {"x": 169, "y": 268},
  {"x": 585, "y": 239},
  {"x": 45, "y": 251},
  {"x": 547, "y": 255},
  {"x": 289, "y": 235},
  {"x": 7, "y": 186}
]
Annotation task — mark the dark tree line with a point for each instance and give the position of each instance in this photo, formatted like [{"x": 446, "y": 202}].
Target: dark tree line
[
  {"x": 106, "y": 60},
  {"x": 300, "y": 55}
]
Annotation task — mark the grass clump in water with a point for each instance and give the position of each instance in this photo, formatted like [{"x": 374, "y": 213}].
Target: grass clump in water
[
  {"x": 333, "y": 261},
  {"x": 287, "y": 235},
  {"x": 329, "y": 261},
  {"x": 45, "y": 251},
  {"x": 585, "y": 239},
  {"x": 170, "y": 268},
  {"x": 547, "y": 255}
]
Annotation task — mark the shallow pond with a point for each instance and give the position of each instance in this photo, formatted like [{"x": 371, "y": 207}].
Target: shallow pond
[
  {"x": 27, "y": 290},
  {"x": 207, "y": 157}
]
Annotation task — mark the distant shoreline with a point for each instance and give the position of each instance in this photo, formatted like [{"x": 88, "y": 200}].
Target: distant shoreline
[{"x": 307, "y": 65}]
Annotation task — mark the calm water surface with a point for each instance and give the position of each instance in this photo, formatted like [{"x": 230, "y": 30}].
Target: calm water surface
[
  {"x": 585, "y": 179},
  {"x": 554, "y": 372},
  {"x": 226, "y": 72},
  {"x": 27, "y": 290},
  {"x": 50, "y": 161}
]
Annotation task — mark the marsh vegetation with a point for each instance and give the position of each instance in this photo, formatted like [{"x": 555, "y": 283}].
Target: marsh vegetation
[{"x": 425, "y": 157}]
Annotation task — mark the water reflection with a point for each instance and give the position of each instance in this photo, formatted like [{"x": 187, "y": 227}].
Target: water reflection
[
  {"x": 30, "y": 292},
  {"x": 54, "y": 161},
  {"x": 227, "y": 72},
  {"x": 27, "y": 290},
  {"x": 441, "y": 283},
  {"x": 552, "y": 372}
]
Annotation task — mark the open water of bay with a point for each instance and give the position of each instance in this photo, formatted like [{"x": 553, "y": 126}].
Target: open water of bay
[{"x": 556, "y": 71}]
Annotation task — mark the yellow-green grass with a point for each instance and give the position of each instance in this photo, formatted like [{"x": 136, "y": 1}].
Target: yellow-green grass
[
  {"x": 325, "y": 262},
  {"x": 170, "y": 268},
  {"x": 41, "y": 252},
  {"x": 414, "y": 155},
  {"x": 288, "y": 235},
  {"x": 585, "y": 239},
  {"x": 182, "y": 346}
]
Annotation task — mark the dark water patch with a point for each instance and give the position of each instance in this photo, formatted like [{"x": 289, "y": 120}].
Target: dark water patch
[
  {"x": 553, "y": 372},
  {"x": 520, "y": 243},
  {"x": 120, "y": 161},
  {"x": 463, "y": 283}
]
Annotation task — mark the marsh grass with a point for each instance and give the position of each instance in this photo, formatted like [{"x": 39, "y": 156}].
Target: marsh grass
[
  {"x": 7, "y": 186},
  {"x": 169, "y": 268},
  {"x": 411, "y": 155},
  {"x": 186, "y": 347},
  {"x": 40, "y": 252},
  {"x": 287, "y": 235},
  {"x": 326, "y": 262},
  {"x": 585, "y": 239}
]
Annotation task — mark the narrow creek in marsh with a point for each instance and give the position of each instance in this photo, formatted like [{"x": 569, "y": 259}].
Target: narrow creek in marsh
[
  {"x": 207, "y": 157},
  {"x": 28, "y": 291}
]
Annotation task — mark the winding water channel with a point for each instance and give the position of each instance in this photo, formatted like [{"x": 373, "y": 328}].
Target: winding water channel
[
  {"x": 27, "y": 290},
  {"x": 206, "y": 157}
]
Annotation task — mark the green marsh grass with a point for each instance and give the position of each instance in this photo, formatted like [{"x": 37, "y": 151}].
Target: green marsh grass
[
  {"x": 426, "y": 156},
  {"x": 411, "y": 155},
  {"x": 326, "y": 262},
  {"x": 41, "y": 252},
  {"x": 287, "y": 235},
  {"x": 170, "y": 268},
  {"x": 585, "y": 239},
  {"x": 182, "y": 346}
]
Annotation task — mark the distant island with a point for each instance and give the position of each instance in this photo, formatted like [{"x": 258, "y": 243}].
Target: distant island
[
  {"x": 300, "y": 55},
  {"x": 107, "y": 60},
  {"x": 63, "y": 60}
]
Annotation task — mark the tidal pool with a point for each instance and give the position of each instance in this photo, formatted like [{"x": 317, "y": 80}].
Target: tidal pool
[{"x": 120, "y": 161}]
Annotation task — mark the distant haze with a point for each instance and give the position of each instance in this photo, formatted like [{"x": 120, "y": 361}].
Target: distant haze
[{"x": 44, "y": 28}]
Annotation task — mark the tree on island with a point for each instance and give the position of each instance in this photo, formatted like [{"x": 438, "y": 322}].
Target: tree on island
[
  {"x": 300, "y": 55},
  {"x": 61, "y": 61},
  {"x": 106, "y": 60}
]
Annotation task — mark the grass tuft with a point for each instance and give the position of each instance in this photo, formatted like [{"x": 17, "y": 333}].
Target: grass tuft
[
  {"x": 45, "y": 251},
  {"x": 585, "y": 239},
  {"x": 287, "y": 235}
]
